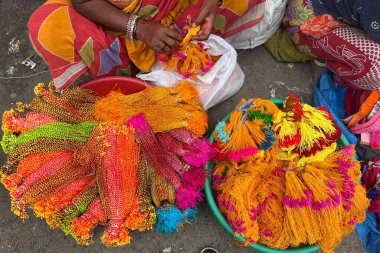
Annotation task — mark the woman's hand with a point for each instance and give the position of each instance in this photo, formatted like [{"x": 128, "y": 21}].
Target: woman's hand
[
  {"x": 158, "y": 37},
  {"x": 206, "y": 18}
]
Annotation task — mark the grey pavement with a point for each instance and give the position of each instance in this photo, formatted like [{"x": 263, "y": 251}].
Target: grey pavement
[{"x": 264, "y": 78}]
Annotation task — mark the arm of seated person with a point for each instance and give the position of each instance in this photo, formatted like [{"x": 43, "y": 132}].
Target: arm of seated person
[{"x": 156, "y": 36}]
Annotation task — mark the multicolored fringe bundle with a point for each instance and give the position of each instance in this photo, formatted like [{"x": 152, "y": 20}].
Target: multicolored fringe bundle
[
  {"x": 279, "y": 179},
  {"x": 129, "y": 162},
  {"x": 190, "y": 59}
]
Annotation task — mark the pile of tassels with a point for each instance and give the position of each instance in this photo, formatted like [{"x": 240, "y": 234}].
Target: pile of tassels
[
  {"x": 279, "y": 180},
  {"x": 190, "y": 59},
  {"x": 129, "y": 162}
]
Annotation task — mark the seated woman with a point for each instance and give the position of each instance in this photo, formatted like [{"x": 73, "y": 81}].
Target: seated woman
[
  {"x": 105, "y": 37},
  {"x": 343, "y": 33}
]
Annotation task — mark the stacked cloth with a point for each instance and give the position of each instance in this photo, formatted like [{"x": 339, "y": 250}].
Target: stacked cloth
[
  {"x": 129, "y": 162},
  {"x": 371, "y": 181},
  {"x": 357, "y": 114},
  {"x": 282, "y": 180}
]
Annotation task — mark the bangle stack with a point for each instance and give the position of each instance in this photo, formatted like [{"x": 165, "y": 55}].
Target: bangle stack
[{"x": 131, "y": 27}]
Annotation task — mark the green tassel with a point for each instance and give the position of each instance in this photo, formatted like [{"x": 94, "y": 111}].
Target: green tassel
[
  {"x": 56, "y": 130},
  {"x": 8, "y": 142},
  {"x": 267, "y": 118}
]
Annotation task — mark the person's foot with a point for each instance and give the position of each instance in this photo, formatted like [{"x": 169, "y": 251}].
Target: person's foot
[
  {"x": 318, "y": 68},
  {"x": 209, "y": 250}
]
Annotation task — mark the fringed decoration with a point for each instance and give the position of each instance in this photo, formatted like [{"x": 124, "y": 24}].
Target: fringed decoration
[
  {"x": 21, "y": 195},
  {"x": 300, "y": 220},
  {"x": 27, "y": 166},
  {"x": 189, "y": 194},
  {"x": 304, "y": 130},
  {"x": 180, "y": 105},
  {"x": 57, "y": 152},
  {"x": 271, "y": 212},
  {"x": 74, "y": 105},
  {"x": 13, "y": 122},
  {"x": 62, "y": 198},
  {"x": 169, "y": 219},
  {"x": 78, "y": 206},
  {"x": 190, "y": 60},
  {"x": 183, "y": 143},
  {"x": 82, "y": 226},
  {"x": 141, "y": 221},
  {"x": 117, "y": 181},
  {"x": 57, "y": 130},
  {"x": 247, "y": 130},
  {"x": 40, "y": 145},
  {"x": 154, "y": 152}
]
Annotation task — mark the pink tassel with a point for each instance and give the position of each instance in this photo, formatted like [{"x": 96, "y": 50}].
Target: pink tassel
[
  {"x": 239, "y": 155},
  {"x": 189, "y": 194},
  {"x": 170, "y": 143},
  {"x": 154, "y": 152},
  {"x": 201, "y": 151},
  {"x": 197, "y": 151},
  {"x": 195, "y": 178},
  {"x": 173, "y": 150},
  {"x": 187, "y": 198}
]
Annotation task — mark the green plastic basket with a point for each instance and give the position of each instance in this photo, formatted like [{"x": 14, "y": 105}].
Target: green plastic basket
[{"x": 219, "y": 216}]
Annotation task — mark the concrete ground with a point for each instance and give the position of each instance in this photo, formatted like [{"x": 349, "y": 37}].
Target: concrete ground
[{"x": 264, "y": 78}]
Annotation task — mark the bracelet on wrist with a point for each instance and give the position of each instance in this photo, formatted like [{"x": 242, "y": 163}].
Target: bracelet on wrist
[{"x": 131, "y": 27}]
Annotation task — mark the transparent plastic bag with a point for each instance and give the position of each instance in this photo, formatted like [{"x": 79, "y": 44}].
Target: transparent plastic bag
[{"x": 221, "y": 82}]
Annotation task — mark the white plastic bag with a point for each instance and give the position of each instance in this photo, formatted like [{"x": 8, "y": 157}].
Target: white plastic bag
[
  {"x": 258, "y": 34},
  {"x": 221, "y": 82}
]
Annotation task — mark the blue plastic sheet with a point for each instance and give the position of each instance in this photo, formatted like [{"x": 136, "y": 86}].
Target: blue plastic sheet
[
  {"x": 331, "y": 96},
  {"x": 369, "y": 233}
]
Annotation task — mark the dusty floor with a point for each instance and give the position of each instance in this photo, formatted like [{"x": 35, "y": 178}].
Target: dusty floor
[{"x": 264, "y": 78}]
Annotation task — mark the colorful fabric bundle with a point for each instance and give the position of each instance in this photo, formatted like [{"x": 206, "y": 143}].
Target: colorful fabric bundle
[
  {"x": 190, "y": 60},
  {"x": 180, "y": 105},
  {"x": 282, "y": 196},
  {"x": 371, "y": 182},
  {"x": 134, "y": 169}
]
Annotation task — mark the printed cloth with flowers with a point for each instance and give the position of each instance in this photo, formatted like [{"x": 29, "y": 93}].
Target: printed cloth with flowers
[{"x": 329, "y": 35}]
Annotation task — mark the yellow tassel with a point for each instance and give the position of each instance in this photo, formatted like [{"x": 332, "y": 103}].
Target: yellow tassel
[
  {"x": 285, "y": 127},
  {"x": 309, "y": 135},
  {"x": 330, "y": 213},
  {"x": 177, "y": 107},
  {"x": 243, "y": 133},
  {"x": 190, "y": 33},
  {"x": 319, "y": 156},
  {"x": 300, "y": 221},
  {"x": 271, "y": 215},
  {"x": 318, "y": 119}
]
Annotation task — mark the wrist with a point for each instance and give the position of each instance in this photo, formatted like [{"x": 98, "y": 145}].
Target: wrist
[
  {"x": 211, "y": 3},
  {"x": 140, "y": 29}
]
